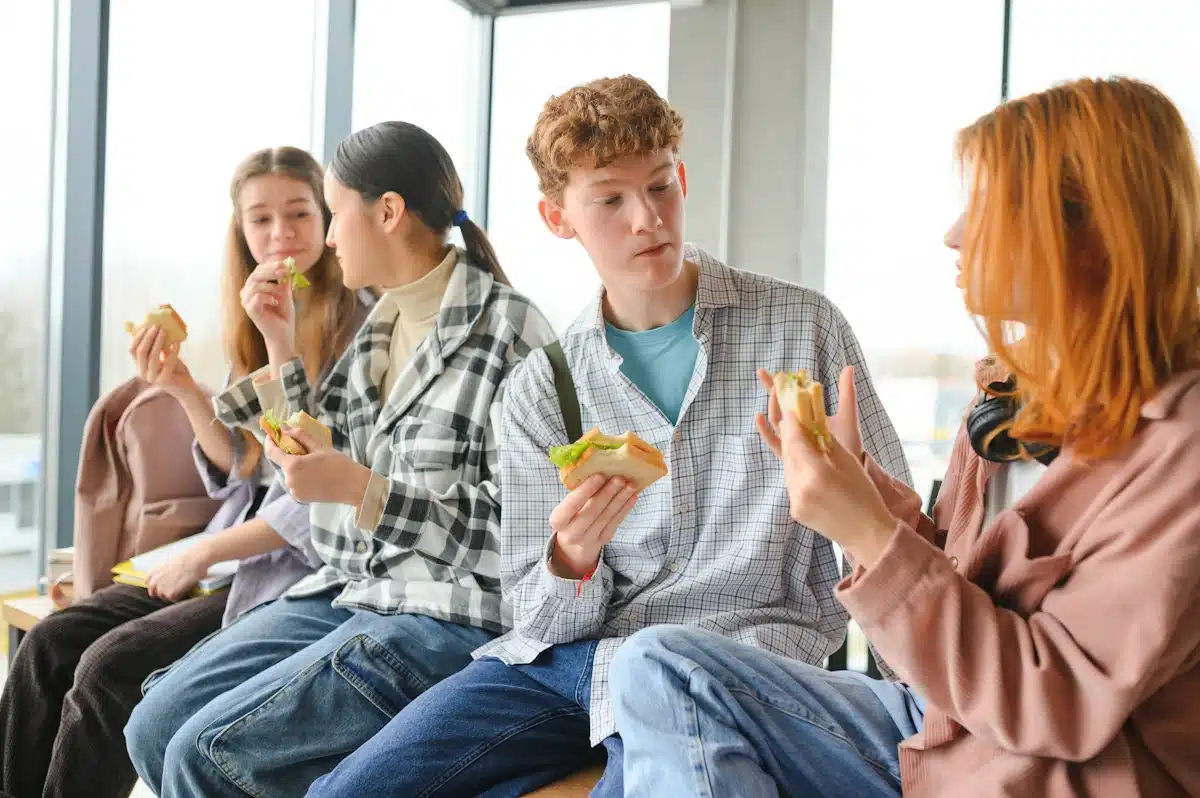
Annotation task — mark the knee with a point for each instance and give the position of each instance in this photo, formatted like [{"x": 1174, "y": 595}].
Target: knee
[
  {"x": 647, "y": 652},
  {"x": 150, "y": 730}
]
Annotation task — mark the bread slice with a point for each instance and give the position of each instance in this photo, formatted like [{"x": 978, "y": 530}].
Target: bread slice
[
  {"x": 805, "y": 397},
  {"x": 299, "y": 420},
  {"x": 625, "y": 456},
  {"x": 167, "y": 319}
]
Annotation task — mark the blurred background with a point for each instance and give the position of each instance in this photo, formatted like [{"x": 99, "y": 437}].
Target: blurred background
[{"x": 818, "y": 141}]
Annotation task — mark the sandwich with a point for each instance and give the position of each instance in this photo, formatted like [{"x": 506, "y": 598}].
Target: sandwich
[
  {"x": 297, "y": 279},
  {"x": 805, "y": 397},
  {"x": 165, "y": 318},
  {"x": 625, "y": 456},
  {"x": 300, "y": 420}
]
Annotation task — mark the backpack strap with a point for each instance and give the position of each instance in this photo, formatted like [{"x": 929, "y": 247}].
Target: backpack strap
[{"x": 564, "y": 386}]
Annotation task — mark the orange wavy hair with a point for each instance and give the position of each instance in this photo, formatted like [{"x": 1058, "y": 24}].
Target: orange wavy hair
[{"x": 1083, "y": 225}]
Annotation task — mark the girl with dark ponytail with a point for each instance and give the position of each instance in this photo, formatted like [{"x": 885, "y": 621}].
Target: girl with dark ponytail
[{"x": 405, "y": 503}]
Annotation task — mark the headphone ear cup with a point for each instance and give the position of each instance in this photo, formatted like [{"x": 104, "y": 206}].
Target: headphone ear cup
[{"x": 983, "y": 420}]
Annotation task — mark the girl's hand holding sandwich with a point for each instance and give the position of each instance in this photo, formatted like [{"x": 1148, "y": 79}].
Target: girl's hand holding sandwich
[
  {"x": 586, "y": 520},
  {"x": 322, "y": 474},
  {"x": 830, "y": 490}
]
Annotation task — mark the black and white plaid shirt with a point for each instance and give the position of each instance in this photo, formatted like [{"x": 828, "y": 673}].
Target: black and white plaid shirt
[
  {"x": 435, "y": 550},
  {"x": 713, "y": 544}
]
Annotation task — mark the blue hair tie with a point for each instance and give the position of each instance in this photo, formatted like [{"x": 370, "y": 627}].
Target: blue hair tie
[{"x": 459, "y": 218}]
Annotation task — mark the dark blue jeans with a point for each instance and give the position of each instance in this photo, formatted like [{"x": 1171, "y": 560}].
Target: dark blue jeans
[{"x": 489, "y": 730}]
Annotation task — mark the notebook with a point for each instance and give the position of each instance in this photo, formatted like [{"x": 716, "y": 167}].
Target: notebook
[{"x": 134, "y": 571}]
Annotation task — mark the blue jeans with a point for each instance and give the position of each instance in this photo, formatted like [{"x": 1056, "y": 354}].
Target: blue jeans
[
  {"x": 701, "y": 715},
  {"x": 281, "y": 696},
  {"x": 490, "y": 730}
]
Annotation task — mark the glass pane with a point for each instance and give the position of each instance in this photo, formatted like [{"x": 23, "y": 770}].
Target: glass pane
[
  {"x": 534, "y": 60},
  {"x": 894, "y": 190},
  {"x": 183, "y": 109},
  {"x": 391, "y": 33},
  {"x": 26, "y": 137},
  {"x": 1067, "y": 39}
]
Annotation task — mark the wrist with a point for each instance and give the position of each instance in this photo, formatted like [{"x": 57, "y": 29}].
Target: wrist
[
  {"x": 358, "y": 479},
  {"x": 867, "y": 547},
  {"x": 278, "y": 355},
  {"x": 572, "y": 562}
]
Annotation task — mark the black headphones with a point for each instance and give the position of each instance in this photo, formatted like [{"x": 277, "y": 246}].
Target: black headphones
[{"x": 988, "y": 414}]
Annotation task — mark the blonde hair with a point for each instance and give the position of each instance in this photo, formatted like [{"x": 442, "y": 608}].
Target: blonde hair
[
  {"x": 325, "y": 324},
  {"x": 592, "y": 125},
  {"x": 1082, "y": 224}
]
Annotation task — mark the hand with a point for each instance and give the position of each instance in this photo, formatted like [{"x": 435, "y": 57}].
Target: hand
[
  {"x": 174, "y": 579},
  {"x": 830, "y": 492},
  {"x": 267, "y": 300},
  {"x": 159, "y": 364},
  {"x": 322, "y": 475},
  {"x": 586, "y": 520},
  {"x": 843, "y": 424}
]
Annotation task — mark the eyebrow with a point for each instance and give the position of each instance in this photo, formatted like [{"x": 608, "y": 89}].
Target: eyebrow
[
  {"x": 292, "y": 201},
  {"x": 663, "y": 167}
]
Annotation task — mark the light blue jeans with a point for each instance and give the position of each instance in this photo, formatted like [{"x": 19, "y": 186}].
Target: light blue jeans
[
  {"x": 701, "y": 715},
  {"x": 280, "y": 697}
]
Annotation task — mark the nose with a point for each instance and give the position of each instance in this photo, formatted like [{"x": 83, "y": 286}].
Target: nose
[
  {"x": 329, "y": 240},
  {"x": 645, "y": 216},
  {"x": 953, "y": 237}
]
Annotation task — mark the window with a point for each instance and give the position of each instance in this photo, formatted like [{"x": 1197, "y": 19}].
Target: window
[
  {"x": 192, "y": 89},
  {"x": 1054, "y": 42},
  {"x": 536, "y": 56},
  {"x": 894, "y": 190},
  {"x": 419, "y": 61},
  {"x": 27, "y": 48}
]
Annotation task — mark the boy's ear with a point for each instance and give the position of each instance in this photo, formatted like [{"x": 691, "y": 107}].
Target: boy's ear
[
  {"x": 554, "y": 218},
  {"x": 390, "y": 208},
  {"x": 681, "y": 170}
]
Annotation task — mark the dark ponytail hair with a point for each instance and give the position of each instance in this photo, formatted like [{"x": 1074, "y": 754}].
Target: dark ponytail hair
[{"x": 405, "y": 159}]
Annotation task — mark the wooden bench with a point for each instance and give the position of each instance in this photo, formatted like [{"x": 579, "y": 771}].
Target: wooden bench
[
  {"x": 21, "y": 614},
  {"x": 578, "y": 786}
]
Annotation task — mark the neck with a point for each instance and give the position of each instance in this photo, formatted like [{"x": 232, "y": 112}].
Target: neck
[
  {"x": 411, "y": 263},
  {"x": 638, "y": 312}
]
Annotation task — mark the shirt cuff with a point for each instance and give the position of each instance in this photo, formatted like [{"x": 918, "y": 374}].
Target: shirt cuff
[
  {"x": 369, "y": 514},
  {"x": 571, "y": 588},
  {"x": 908, "y": 564},
  {"x": 271, "y": 396}
]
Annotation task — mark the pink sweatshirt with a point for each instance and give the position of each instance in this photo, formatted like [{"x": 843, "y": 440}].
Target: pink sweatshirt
[{"x": 1059, "y": 648}]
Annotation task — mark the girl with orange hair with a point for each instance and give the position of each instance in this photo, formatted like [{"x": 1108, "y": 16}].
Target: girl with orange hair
[{"x": 1043, "y": 627}]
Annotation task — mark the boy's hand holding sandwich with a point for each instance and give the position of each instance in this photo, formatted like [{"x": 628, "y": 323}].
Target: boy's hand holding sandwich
[
  {"x": 604, "y": 475},
  {"x": 313, "y": 470}
]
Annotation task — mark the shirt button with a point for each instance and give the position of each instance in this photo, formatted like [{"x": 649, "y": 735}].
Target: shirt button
[
  {"x": 953, "y": 562},
  {"x": 360, "y": 547},
  {"x": 674, "y": 567},
  {"x": 678, "y": 435}
]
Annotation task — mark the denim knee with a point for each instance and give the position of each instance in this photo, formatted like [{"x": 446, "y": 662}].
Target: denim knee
[{"x": 645, "y": 649}]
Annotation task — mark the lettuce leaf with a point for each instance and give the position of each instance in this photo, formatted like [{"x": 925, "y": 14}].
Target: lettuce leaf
[
  {"x": 272, "y": 420},
  {"x": 298, "y": 279},
  {"x": 563, "y": 456}
]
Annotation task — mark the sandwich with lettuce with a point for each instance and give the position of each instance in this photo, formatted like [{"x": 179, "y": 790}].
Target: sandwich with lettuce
[
  {"x": 273, "y": 427},
  {"x": 625, "y": 456},
  {"x": 800, "y": 394}
]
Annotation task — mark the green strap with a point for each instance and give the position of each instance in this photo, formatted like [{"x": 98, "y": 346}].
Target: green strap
[{"x": 564, "y": 386}]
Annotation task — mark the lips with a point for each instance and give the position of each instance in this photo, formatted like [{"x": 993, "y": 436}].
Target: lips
[{"x": 655, "y": 250}]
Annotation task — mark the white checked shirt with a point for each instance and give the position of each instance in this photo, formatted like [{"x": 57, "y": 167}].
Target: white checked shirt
[
  {"x": 713, "y": 544},
  {"x": 433, "y": 546}
]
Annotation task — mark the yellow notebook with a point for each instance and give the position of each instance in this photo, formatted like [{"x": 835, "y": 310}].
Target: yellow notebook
[{"x": 134, "y": 571}]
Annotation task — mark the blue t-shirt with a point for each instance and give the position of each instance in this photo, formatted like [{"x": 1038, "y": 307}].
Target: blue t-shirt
[{"x": 659, "y": 361}]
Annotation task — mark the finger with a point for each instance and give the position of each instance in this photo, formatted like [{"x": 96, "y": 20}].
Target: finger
[
  {"x": 276, "y": 455},
  {"x": 604, "y": 519},
  {"x": 774, "y": 412},
  {"x": 154, "y": 356},
  {"x": 797, "y": 441},
  {"x": 144, "y": 348},
  {"x": 569, "y": 507},
  {"x": 767, "y": 433},
  {"x": 848, "y": 395},
  {"x": 301, "y": 437},
  {"x": 585, "y": 522},
  {"x": 619, "y": 519},
  {"x": 135, "y": 342},
  {"x": 765, "y": 380}
]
